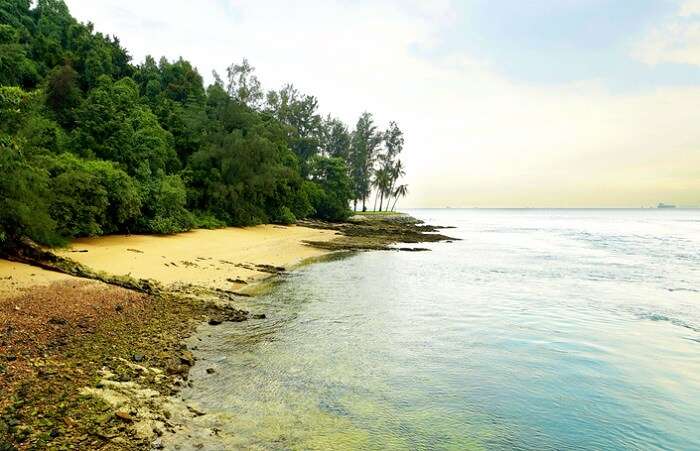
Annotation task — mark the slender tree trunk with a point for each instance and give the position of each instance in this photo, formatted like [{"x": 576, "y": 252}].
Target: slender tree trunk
[
  {"x": 354, "y": 205},
  {"x": 395, "y": 200},
  {"x": 364, "y": 207},
  {"x": 381, "y": 200},
  {"x": 375, "y": 200}
]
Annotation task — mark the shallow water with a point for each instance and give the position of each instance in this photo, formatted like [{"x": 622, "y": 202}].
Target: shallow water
[{"x": 541, "y": 329}]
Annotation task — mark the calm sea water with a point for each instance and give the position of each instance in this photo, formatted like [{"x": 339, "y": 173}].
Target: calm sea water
[{"x": 541, "y": 329}]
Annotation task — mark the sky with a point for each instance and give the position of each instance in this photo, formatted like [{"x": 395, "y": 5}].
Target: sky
[{"x": 504, "y": 103}]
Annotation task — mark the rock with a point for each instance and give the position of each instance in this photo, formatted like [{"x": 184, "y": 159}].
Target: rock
[
  {"x": 58, "y": 321},
  {"x": 195, "y": 411},
  {"x": 187, "y": 358},
  {"x": 177, "y": 370},
  {"x": 259, "y": 316},
  {"x": 138, "y": 358},
  {"x": 211, "y": 371},
  {"x": 124, "y": 416},
  {"x": 215, "y": 321}
]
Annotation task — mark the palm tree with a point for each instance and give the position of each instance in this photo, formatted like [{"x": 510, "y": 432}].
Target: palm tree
[
  {"x": 395, "y": 173},
  {"x": 382, "y": 181},
  {"x": 400, "y": 191}
]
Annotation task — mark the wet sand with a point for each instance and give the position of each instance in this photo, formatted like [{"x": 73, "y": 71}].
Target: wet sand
[{"x": 16, "y": 278}]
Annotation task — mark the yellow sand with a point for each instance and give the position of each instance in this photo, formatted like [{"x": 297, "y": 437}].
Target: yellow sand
[
  {"x": 16, "y": 277},
  {"x": 201, "y": 257}
]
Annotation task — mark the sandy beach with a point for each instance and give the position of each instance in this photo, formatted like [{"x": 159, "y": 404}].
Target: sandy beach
[
  {"x": 18, "y": 277},
  {"x": 231, "y": 258}
]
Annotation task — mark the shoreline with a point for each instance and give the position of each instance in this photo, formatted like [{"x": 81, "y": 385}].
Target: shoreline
[{"x": 107, "y": 355}]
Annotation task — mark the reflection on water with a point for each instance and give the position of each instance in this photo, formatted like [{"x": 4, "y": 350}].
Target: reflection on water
[{"x": 540, "y": 329}]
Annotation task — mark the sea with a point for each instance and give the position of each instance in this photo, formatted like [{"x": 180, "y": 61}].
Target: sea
[{"x": 534, "y": 329}]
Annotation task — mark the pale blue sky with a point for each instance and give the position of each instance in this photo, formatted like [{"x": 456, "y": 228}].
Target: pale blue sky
[{"x": 564, "y": 41}]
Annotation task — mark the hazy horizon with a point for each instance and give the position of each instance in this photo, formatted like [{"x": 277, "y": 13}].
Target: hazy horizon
[{"x": 582, "y": 103}]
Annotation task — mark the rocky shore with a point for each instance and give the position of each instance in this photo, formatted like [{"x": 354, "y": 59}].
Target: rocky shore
[{"x": 96, "y": 361}]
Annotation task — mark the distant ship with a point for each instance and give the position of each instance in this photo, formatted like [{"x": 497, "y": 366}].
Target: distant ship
[{"x": 663, "y": 205}]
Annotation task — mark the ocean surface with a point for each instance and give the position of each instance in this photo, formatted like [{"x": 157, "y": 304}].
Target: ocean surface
[{"x": 539, "y": 329}]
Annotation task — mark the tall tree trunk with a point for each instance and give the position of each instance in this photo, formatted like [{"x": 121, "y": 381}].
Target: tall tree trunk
[
  {"x": 354, "y": 205},
  {"x": 364, "y": 207},
  {"x": 381, "y": 200},
  {"x": 375, "y": 200},
  {"x": 395, "y": 200}
]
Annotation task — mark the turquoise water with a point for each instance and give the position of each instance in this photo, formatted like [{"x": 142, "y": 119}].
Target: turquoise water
[{"x": 540, "y": 329}]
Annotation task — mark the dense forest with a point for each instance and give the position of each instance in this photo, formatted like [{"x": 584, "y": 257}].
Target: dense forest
[{"x": 91, "y": 143}]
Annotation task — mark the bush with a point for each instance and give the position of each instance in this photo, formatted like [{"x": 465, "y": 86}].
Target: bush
[
  {"x": 285, "y": 216},
  {"x": 24, "y": 199},
  {"x": 164, "y": 206}
]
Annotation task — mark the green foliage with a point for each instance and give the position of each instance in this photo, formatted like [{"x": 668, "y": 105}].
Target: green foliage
[
  {"x": 330, "y": 190},
  {"x": 90, "y": 144},
  {"x": 164, "y": 206},
  {"x": 91, "y": 197},
  {"x": 24, "y": 194},
  {"x": 363, "y": 152},
  {"x": 114, "y": 125},
  {"x": 63, "y": 95},
  {"x": 15, "y": 68},
  {"x": 285, "y": 216}
]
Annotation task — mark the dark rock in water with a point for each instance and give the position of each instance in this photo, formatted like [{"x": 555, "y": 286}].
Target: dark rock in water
[
  {"x": 177, "y": 370},
  {"x": 413, "y": 249},
  {"x": 259, "y": 316},
  {"x": 138, "y": 358},
  {"x": 211, "y": 371},
  {"x": 196, "y": 412},
  {"x": 215, "y": 321},
  {"x": 187, "y": 358}
]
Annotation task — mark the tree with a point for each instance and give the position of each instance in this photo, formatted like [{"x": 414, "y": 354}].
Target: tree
[
  {"x": 396, "y": 172},
  {"x": 90, "y": 144},
  {"x": 24, "y": 198},
  {"x": 299, "y": 112},
  {"x": 365, "y": 143},
  {"x": 115, "y": 125},
  {"x": 15, "y": 68},
  {"x": 63, "y": 94},
  {"x": 335, "y": 138},
  {"x": 331, "y": 191},
  {"x": 400, "y": 191},
  {"x": 243, "y": 84}
]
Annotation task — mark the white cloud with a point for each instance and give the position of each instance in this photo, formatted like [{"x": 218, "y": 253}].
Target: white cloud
[
  {"x": 677, "y": 40},
  {"x": 473, "y": 137}
]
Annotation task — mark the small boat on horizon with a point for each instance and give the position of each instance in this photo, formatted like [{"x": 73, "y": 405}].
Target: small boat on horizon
[{"x": 665, "y": 206}]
